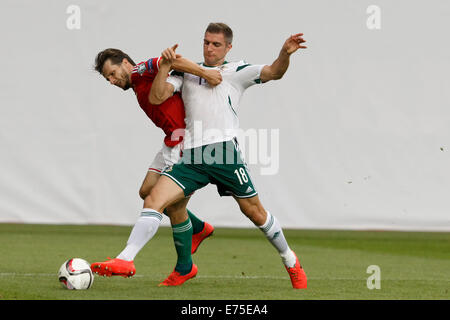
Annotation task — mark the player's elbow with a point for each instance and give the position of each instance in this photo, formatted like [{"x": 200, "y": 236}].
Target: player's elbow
[
  {"x": 276, "y": 75},
  {"x": 160, "y": 94},
  {"x": 271, "y": 73},
  {"x": 155, "y": 100},
  {"x": 157, "y": 97},
  {"x": 272, "y": 76}
]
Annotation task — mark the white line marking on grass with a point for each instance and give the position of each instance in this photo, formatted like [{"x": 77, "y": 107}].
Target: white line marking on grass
[
  {"x": 155, "y": 276},
  {"x": 160, "y": 276}
]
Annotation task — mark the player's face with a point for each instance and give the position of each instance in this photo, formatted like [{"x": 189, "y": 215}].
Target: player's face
[
  {"x": 117, "y": 74},
  {"x": 215, "y": 48}
]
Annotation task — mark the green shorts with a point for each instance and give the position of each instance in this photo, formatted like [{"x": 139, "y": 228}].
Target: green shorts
[{"x": 218, "y": 163}]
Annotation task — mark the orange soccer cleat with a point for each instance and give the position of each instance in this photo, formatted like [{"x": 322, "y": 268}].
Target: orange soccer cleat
[
  {"x": 202, "y": 235},
  {"x": 298, "y": 275},
  {"x": 114, "y": 267},
  {"x": 176, "y": 279}
]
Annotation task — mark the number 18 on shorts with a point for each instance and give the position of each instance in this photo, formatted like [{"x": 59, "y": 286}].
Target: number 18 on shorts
[{"x": 230, "y": 177}]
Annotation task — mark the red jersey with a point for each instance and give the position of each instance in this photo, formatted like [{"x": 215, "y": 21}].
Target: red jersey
[{"x": 169, "y": 116}]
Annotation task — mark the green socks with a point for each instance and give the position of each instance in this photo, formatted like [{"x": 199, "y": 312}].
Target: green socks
[
  {"x": 197, "y": 224},
  {"x": 182, "y": 238}
]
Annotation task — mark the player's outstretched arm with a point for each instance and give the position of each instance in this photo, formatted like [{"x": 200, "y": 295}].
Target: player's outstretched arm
[{"x": 278, "y": 68}]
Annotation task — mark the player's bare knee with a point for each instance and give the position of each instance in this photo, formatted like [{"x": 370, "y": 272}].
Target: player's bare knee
[
  {"x": 170, "y": 210},
  {"x": 151, "y": 202},
  {"x": 176, "y": 208},
  {"x": 144, "y": 191}
]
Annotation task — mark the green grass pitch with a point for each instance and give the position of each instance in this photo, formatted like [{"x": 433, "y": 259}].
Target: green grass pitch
[{"x": 236, "y": 264}]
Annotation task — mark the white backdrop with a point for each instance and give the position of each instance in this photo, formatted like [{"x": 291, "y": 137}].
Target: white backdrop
[{"x": 363, "y": 115}]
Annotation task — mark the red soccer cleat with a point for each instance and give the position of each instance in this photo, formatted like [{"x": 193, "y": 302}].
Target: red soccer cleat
[
  {"x": 114, "y": 267},
  {"x": 298, "y": 275},
  {"x": 176, "y": 279},
  {"x": 202, "y": 235}
]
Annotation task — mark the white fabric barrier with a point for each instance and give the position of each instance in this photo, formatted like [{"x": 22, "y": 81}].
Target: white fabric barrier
[{"x": 355, "y": 136}]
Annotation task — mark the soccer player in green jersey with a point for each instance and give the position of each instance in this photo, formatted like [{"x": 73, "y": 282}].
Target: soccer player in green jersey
[{"x": 216, "y": 158}]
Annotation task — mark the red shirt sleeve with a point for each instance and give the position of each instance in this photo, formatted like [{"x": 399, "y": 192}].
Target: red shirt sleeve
[{"x": 152, "y": 64}]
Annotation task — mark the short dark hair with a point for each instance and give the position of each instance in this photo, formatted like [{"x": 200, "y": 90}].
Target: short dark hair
[
  {"x": 115, "y": 55},
  {"x": 219, "y": 27}
]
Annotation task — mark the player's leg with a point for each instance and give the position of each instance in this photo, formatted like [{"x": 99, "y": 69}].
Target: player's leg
[
  {"x": 162, "y": 194},
  {"x": 171, "y": 156},
  {"x": 123, "y": 264},
  {"x": 150, "y": 180},
  {"x": 269, "y": 225},
  {"x": 201, "y": 229},
  {"x": 153, "y": 173},
  {"x": 167, "y": 194},
  {"x": 188, "y": 179},
  {"x": 182, "y": 234},
  {"x": 148, "y": 222},
  {"x": 234, "y": 178}
]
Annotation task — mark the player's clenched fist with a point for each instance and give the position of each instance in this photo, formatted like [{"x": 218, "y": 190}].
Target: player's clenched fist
[{"x": 213, "y": 77}]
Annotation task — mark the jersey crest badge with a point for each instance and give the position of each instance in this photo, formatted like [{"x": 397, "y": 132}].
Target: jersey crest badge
[{"x": 141, "y": 68}]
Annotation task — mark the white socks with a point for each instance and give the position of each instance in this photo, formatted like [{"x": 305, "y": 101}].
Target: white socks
[
  {"x": 148, "y": 223},
  {"x": 273, "y": 232},
  {"x": 143, "y": 230}
]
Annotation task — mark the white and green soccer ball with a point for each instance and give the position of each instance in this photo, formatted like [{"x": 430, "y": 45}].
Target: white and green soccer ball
[{"x": 76, "y": 274}]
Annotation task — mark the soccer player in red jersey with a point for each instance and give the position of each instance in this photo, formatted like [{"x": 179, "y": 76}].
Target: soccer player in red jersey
[{"x": 120, "y": 70}]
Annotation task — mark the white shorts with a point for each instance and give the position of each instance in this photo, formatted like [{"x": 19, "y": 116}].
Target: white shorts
[{"x": 166, "y": 157}]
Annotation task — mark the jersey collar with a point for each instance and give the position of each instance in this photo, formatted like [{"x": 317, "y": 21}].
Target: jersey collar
[{"x": 203, "y": 64}]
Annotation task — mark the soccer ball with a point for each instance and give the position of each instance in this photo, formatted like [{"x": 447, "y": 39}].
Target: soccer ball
[{"x": 76, "y": 274}]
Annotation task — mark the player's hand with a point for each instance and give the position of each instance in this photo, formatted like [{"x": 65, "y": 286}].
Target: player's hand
[
  {"x": 293, "y": 43},
  {"x": 213, "y": 77},
  {"x": 169, "y": 55}
]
